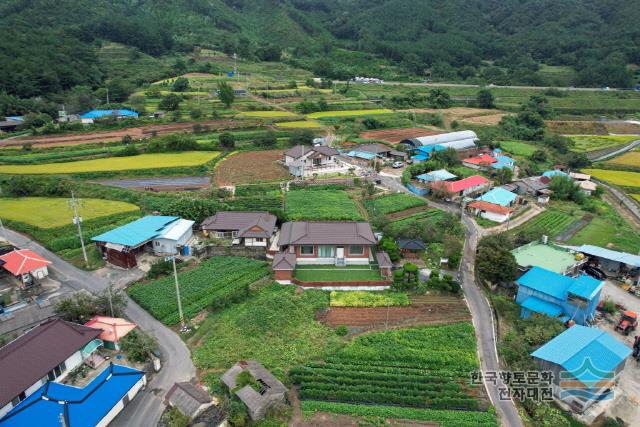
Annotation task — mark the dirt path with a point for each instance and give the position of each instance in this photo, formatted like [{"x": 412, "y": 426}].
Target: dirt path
[{"x": 533, "y": 211}]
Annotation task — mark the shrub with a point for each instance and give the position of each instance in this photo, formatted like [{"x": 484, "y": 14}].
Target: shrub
[{"x": 342, "y": 330}]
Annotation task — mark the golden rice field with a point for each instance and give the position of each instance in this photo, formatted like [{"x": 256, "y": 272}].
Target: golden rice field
[
  {"x": 142, "y": 161},
  {"x": 302, "y": 124},
  {"x": 347, "y": 113},
  {"x": 631, "y": 158},
  {"x": 268, "y": 114},
  {"x": 636, "y": 196},
  {"x": 586, "y": 143},
  {"x": 50, "y": 212},
  {"x": 622, "y": 178}
]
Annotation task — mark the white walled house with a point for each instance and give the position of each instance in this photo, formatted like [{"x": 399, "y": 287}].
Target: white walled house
[
  {"x": 306, "y": 161},
  {"x": 47, "y": 352},
  {"x": 173, "y": 237},
  {"x": 254, "y": 229}
]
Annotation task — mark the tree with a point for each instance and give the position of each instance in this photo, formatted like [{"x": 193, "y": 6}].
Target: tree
[
  {"x": 181, "y": 84},
  {"x": 138, "y": 346},
  {"x": 389, "y": 245},
  {"x": 438, "y": 98},
  {"x": 35, "y": 120},
  {"x": 495, "y": 263},
  {"x": 485, "y": 99},
  {"x": 539, "y": 156},
  {"x": 170, "y": 102},
  {"x": 301, "y": 137},
  {"x": 226, "y": 93},
  {"x": 227, "y": 140},
  {"x": 83, "y": 306},
  {"x": 267, "y": 139},
  {"x": 504, "y": 176}
]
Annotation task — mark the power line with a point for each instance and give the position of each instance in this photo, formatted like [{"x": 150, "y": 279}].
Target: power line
[{"x": 77, "y": 219}]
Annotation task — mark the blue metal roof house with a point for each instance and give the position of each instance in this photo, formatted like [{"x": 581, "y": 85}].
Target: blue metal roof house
[
  {"x": 555, "y": 172},
  {"x": 437, "y": 175},
  {"x": 96, "y": 404},
  {"x": 586, "y": 363},
  {"x": 99, "y": 114},
  {"x": 503, "y": 162},
  {"x": 542, "y": 291},
  {"x": 120, "y": 245},
  {"x": 499, "y": 196}
]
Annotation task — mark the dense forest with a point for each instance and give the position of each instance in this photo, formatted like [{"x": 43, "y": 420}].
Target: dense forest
[{"x": 49, "y": 46}]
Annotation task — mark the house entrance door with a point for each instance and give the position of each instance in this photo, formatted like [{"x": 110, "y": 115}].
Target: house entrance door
[{"x": 340, "y": 252}]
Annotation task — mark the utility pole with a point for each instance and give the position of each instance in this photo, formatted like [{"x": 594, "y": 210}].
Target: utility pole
[
  {"x": 107, "y": 95},
  {"x": 77, "y": 219},
  {"x": 175, "y": 275},
  {"x": 110, "y": 301}
]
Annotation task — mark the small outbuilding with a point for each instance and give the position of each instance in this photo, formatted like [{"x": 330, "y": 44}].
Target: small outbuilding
[
  {"x": 113, "y": 330},
  {"x": 411, "y": 248},
  {"x": 190, "y": 399},
  {"x": 384, "y": 263},
  {"x": 263, "y": 392},
  {"x": 27, "y": 266}
]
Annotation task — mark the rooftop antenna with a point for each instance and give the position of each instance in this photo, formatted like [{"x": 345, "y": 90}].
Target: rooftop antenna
[{"x": 77, "y": 220}]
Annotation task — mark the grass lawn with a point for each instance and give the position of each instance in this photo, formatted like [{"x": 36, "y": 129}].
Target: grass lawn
[
  {"x": 347, "y": 113},
  {"x": 142, "y": 161},
  {"x": 49, "y": 212},
  {"x": 623, "y": 178},
  {"x": 598, "y": 142},
  {"x": 518, "y": 148},
  {"x": 331, "y": 273},
  {"x": 302, "y": 124},
  {"x": 320, "y": 205},
  {"x": 275, "y": 326}
]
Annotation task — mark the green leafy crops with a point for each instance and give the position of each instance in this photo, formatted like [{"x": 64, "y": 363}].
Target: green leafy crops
[
  {"x": 216, "y": 282},
  {"x": 424, "y": 367},
  {"x": 442, "y": 417},
  {"x": 549, "y": 222},
  {"x": 367, "y": 299},
  {"x": 321, "y": 205},
  {"x": 393, "y": 203}
]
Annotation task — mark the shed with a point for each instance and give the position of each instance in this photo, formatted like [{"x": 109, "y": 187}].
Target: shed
[
  {"x": 411, "y": 248},
  {"x": 610, "y": 260},
  {"x": 436, "y": 175},
  {"x": 271, "y": 392},
  {"x": 190, "y": 399},
  {"x": 283, "y": 265},
  {"x": 585, "y": 362},
  {"x": 384, "y": 263}
]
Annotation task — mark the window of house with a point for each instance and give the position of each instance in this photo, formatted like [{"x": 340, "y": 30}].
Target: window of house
[
  {"x": 317, "y": 162},
  {"x": 125, "y": 400},
  {"x": 156, "y": 243},
  {"x": 19, "y": 398},
  {"x": 220, "y": 234},
  {"x": 259, "y": 239},
  {"x": 356, "y": 250},
  {"x": 306, "y": 250},
  {"x": 234, "y": 234},
  {"x": 325, "y": 251}
]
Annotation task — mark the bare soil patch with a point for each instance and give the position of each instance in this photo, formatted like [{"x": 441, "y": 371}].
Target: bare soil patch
[
  {"x": 394, "y": 136},
  {"x": 251, "y": 167},
  {"x": 491, "y": 119},
  {"x": 407, "y": 212}
]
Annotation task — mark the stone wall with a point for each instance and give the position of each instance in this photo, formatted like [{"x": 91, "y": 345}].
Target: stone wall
[{"x": 217, "y": 250}]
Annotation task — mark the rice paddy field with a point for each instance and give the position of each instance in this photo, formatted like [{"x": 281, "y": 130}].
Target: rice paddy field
[
  {"x": 302, "y": 124},
  {"x": 268, "y": 114},
  {"x": 142, "y": 161},
  {"x": 587, "y": 143},
  {"x": 622, "y": 178},
  {"x": 631, "y": 159},
  {"x": 50, "y": 212},
  {"x": 347, "y": 113}
]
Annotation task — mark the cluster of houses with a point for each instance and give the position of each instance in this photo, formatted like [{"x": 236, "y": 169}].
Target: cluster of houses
[{"x": 586, "y": 361}]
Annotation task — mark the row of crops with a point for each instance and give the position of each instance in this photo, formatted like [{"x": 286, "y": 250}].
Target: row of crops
[
  {"x": 422, "y": 367},
  {"x": 419, "y": 219},
  {"x": 216, "y": 282},
  {"x": 321, "y": 205},
  {"x": 393, "y": 203},
  {"x": 550, "y": 222}
]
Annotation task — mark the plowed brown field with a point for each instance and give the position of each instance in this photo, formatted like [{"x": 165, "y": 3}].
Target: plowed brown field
[
  {"x": 394, "y": 136},
  {"x": 251, "y": 167}
]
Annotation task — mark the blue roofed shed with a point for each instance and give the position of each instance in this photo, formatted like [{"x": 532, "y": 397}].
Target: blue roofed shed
[
  {"x": 611, "y": 260},
  {"x": 589, "y": 355},
  {"x": 555, "y": 172},
  {"x": 437, "y": 175},
  {"x": 96, "y": 404},
  {"x": 540, "y": 289},
  {"x": 499, "y": 196},
  {"x": 138, "y": 232},
  {"x": 361, "y": 155},
  {"x": 98, "y": 114},
  {"x": 503, "y": 162}
]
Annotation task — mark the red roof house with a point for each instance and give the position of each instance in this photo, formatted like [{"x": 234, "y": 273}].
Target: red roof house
[
  {"x": 113, "y": 329},
  {"x": 462, "y": 187},
  {"x": 490, "y": 211},
  {"x": 479, "y": 162},
  {"x": 25, "y": 264}
]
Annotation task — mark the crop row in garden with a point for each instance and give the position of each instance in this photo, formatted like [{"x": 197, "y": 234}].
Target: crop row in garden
[
  {"x": 216, "y": 282},
  {"x": 420, "y": 367},
  {"x": 321, "y": 205},
  {"x": 549, "y": 222},
  {"x": 393, "y": 203},
  {"x": 368, "y": 299}
]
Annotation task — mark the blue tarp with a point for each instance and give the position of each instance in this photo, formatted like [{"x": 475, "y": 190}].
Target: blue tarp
[
  {"x": 499, "y": 196},
  {"x": 420, "y": 157},
  {"x": 579, "y": 345},
  {"x": 97, "y": 114},
  {"x": 85, "y": 407},
  {"x": 137, "y": 232},
  {"x": 543, "y": 307},
  {"x": 430, "y": 148}
]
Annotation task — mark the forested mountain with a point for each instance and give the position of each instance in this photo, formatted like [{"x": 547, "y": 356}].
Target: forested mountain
[{"x": 49, "y": 46}]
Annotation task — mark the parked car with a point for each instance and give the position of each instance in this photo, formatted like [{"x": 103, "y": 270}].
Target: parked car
[
  {"x": 397, "y": 165},
  {"x": 594, "y": 272}
]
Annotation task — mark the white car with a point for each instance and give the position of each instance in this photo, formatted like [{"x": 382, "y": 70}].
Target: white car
[{"x": 397, "y": 165}]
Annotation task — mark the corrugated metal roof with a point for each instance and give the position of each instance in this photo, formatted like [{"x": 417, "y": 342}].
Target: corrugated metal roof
[
  {"x": 579, "y": 344},
  {"x": 503, "y": 162},
  {"x": 498, "y": 196},
  {"x": 554, "y": 172},
  {"x": 585, "y": 286},
  {"x": 480, "y": 160},
  {"x": 463, "y": 144},
  {"x": 81, "y": 407},
  {"x": 437, "y": 175},
  {"x": 542, "y": 307},
  {"x": 446, "y": 137},
  {"x": 177, "y": 229},
  {"x": 557, "y": 285},
  {"x": 623, "y": 257},
  {"x": 137, "y": 232},
  {"x": 361, "y": 154},
  {"x": 462, "y": 184},
  {"x": 430, "y": 148},
  {"x": 96, "y": 114},
  {"x": 22, "y": 261}
]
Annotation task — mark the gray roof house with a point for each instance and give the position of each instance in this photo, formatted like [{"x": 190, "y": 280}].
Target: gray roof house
[
  {"x": 249, "y": 228},
  {"x": 326, "y": 233},
  {"x": 190, "y": 399},
  {"x": 271, "y": 392}
]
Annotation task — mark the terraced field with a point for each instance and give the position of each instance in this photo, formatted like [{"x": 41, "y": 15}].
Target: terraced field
[
  {"x": 550, "y": 222},
  {"x": 347, "y": 113},
  {"x": 585, "y": 144},
  {"x": 622, "y": 178},
  {"x": 631, "y": 159}
]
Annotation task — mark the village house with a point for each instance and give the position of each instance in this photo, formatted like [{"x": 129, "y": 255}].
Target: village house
[
  {"x": 47, "y": 352},
  {"x": 490, "y": 211},
  {"x": 586, "y": 364},
  {"x": 467, "y": 187},
  {"x": 256, "y": 229},
  {"x": 435, "y": 176},
  {"x": 411, "y": 248},
  {"x": 188, "y": 398},
  {"x": 26, "y": 266},
  {"x": 96, "y": 404},
  {"x": 555, "y": 295},
  {"x": 304, "y": 161},
  {"x": 481, "y": 162},
  {"x": 369, "y": 151},
  {"x": 546, "y": 255},
  {"x": 113, "y": 329},
  {"x": 162, "y": 235}
]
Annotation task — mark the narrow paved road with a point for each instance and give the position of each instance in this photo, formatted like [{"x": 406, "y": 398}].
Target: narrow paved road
[
  {"x": 146, "y": 408},
  {"x": 434, "y": 84},
  {"x": 625, "y": 200},
  {"x": 481, "y": 312},
  {"x": 630, "y": 146}
]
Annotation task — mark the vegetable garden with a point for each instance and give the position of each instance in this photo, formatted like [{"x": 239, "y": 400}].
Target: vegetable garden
[
  {"x": 550, "y": 222},
  {"x": 368, "y": 299},
  {"x": 422, "y": 367},
  {"x": 321, "y": 205},
  {"x": 393, "y": 203},
  {"x": 217, "y": 282}
]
